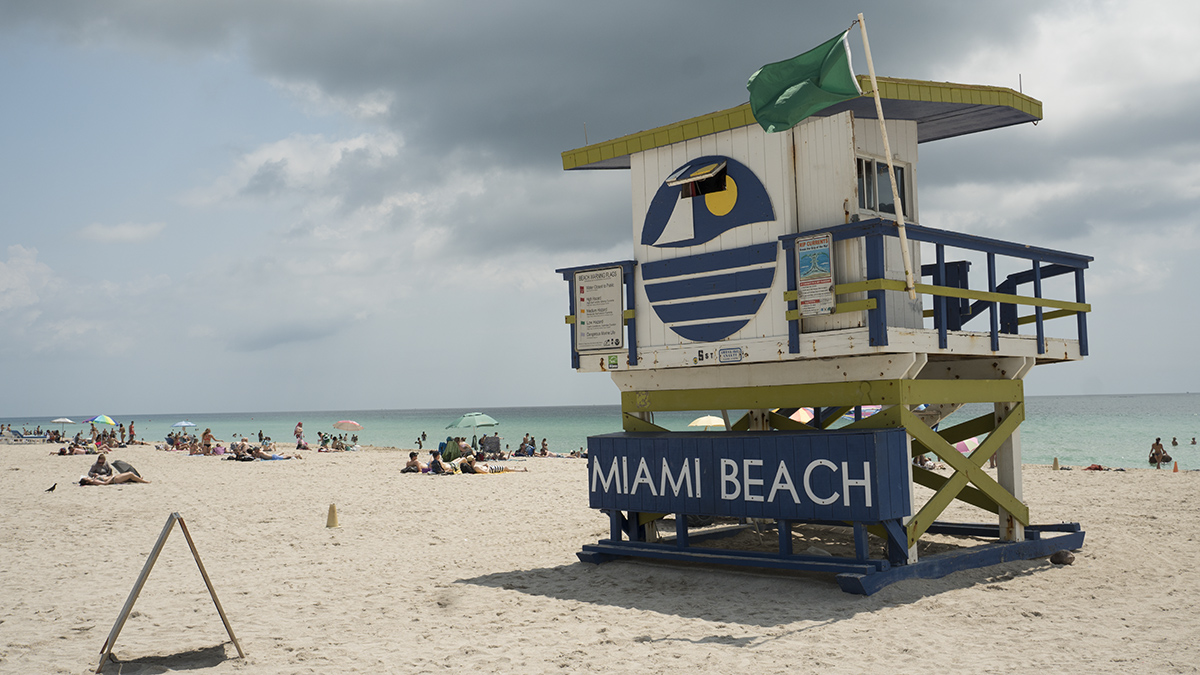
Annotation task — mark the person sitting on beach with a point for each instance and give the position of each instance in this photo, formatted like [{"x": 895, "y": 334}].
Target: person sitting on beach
[
  {"x": 414, "y": 465},
  {"x": 436, "y": 465},
  {"x": 241, "y": 449},
  {"x": 267, "y": 451},
  {"x": 102, "y": 474}
]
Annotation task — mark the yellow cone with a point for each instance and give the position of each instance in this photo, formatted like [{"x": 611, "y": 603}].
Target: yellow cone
[
  {"x": 331, "y": 521},
  {"x": 1055, "y": 464}
]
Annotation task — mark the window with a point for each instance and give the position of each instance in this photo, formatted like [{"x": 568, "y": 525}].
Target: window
[
  {"x": 694, "y": 182},
  {"x": 875, "y": 190}
]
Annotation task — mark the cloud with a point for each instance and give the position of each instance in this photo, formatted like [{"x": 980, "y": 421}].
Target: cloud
[
  {"x": 257, "y": 339},
  {"x": 22, "y": 279},
  {"x": 125, "y": 233}
]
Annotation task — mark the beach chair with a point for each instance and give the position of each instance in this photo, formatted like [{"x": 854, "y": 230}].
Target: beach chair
[{"x": 22, "y": 438}]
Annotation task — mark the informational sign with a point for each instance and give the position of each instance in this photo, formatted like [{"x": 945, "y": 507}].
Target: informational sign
[
  {"x": 599, "y": 320},
  {"x": 833, "y": 475},
  {"x": 814, "y": 275}
]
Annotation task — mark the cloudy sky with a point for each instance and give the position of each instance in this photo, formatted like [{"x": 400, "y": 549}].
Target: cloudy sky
[{"x": 250, "y": 206}]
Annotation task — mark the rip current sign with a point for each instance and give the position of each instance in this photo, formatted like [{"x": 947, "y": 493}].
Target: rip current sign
[
  {"x": 599, "y": 320},
  {"x": 835, "y": 475}
]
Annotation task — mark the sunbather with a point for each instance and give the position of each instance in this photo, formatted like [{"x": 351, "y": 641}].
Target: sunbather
[
  {"x": 414, "y": 465},
  {"x": 102, "y": 474},
  {"x": 267, "y": 451},
  {"x": 437, "y": 465}
]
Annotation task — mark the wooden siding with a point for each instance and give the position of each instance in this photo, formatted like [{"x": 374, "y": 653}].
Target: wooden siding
[{"x": 768, "y": 156}]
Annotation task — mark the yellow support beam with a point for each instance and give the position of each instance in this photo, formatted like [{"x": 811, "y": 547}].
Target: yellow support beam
[
  {"x": 965, "y": 469},
  {"x": 631, "y": 423},
  {"x": 840, "y": 308},
  {"x": 963, "y": 293}
]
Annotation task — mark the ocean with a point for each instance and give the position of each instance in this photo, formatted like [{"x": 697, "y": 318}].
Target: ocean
[{"x": 1112, "y": 430}]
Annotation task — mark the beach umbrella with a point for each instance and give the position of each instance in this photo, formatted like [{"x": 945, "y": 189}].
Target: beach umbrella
[
  {"x": 348, "y": 425},
  {"x": 473, "y": 421},
  {"x": 62, "y": 422},
  {"x": 707, "y": 421},
  {"x": 803, "y": 415},
  {"x": 183, "y": 423},
  {"x": 967, "y": 446},
  {"x": 102, "y": 419}
]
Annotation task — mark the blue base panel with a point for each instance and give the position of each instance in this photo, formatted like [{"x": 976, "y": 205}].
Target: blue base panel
[{"x": 860, "y": 576}]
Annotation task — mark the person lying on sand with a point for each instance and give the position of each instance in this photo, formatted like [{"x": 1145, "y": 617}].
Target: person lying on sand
[
  {"x": 102, "y": 474},
  {"x": 267, "y": 451},
  {"x": 414, "y": 465},
  {"x": 468, "y": 465}
]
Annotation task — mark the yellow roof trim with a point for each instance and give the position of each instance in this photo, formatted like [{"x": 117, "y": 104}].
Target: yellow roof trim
[{"x": 941, "y": 109}]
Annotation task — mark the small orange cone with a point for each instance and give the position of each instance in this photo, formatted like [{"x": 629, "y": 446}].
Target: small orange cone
[
  {"x": 1176, "y": 470},
  {"x": 332, "y": 520}
]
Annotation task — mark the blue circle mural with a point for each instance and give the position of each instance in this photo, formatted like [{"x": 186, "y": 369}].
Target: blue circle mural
[{"x": 707, "y": 297}]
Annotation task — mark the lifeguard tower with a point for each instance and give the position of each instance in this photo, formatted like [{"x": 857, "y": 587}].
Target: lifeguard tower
[{"x": 766, "y": 278}]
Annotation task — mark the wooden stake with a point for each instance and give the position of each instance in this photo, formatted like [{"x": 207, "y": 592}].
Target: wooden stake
[{"x": 908, "y": 275}]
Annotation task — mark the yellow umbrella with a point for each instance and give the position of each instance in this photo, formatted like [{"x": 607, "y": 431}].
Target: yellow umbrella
[{"x": 707, "y": 421}]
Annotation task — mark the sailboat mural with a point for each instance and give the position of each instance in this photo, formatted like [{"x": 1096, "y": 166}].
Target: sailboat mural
[{"x": 707, "y": 296}]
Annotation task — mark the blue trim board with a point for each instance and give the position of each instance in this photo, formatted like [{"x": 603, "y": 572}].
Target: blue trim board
[
  {"x": 742, "y": 305},
  {"x": 710, "y": 332},
  {"x": 743, "y": 281},
  {"x": 758, "y": 254},
  {"x": 856, "y": 575},
  {"x": 943, "y": 564}
]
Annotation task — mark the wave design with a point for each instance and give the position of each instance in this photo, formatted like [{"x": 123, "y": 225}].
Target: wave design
[{"x": 681, "y": 290}]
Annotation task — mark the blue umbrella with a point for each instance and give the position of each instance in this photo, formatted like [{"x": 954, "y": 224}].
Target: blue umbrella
[{"x": 184, "y": 423}]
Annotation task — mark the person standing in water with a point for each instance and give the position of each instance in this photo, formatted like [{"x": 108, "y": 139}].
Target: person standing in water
[{"x": 1157, "y": 453}]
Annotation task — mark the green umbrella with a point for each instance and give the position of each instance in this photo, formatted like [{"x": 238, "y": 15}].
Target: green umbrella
[{"x": 473, "y": 421}]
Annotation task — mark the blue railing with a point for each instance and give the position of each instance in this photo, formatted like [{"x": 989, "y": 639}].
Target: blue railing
[{"x": 952, "y": 304}]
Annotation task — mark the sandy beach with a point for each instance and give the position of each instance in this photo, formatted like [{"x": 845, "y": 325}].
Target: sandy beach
[{"x": 478, "y": 573}]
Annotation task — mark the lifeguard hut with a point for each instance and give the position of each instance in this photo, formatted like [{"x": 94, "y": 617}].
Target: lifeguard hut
[{"x": 766, "y": 278}]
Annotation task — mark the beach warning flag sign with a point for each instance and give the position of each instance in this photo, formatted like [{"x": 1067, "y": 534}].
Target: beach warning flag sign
[{"x": 782, "y": 94}]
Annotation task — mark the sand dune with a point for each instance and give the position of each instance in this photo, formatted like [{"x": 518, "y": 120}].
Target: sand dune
[{"x": 478, "y": 573}]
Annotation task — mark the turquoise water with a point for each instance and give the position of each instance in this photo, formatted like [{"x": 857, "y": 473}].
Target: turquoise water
[{"x": 1079, "y": 430}]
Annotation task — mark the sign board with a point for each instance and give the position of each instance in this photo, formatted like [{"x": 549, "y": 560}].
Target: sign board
[
  {"x": 834, "y": 475},
  {"x": 814, "y": 275},
  {"x": 599, "y": 321}
]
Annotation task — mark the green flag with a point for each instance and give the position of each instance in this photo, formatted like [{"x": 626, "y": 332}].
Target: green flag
[{"x": 784, "y": 93}]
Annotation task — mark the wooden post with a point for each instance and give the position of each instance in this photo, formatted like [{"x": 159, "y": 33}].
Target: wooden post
[
  {"x": 1008, "y": 461},
  {"x": 908, "y": 274},
  {"x": 1008, "y": 475}
]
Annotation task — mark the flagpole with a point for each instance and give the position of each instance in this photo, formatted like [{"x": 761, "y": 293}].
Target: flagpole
[{"x": 887, "y": 150}]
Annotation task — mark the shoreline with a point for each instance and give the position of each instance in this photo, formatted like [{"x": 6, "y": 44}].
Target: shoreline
[{"x": 478, "y": 573}]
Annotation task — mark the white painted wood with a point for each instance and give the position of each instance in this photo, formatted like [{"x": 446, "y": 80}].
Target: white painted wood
[
  {"x": 810, "y": 371},
  {"x": 769, "y": 157},
  {"x": 825, "y": 180},
  {"x": 853, "y": 342}
]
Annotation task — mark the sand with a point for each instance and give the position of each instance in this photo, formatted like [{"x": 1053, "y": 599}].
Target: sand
[{"x": 478, "y": 574}]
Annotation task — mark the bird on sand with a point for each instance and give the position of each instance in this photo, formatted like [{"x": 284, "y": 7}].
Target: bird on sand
[{"x": 51, "y": 488}]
